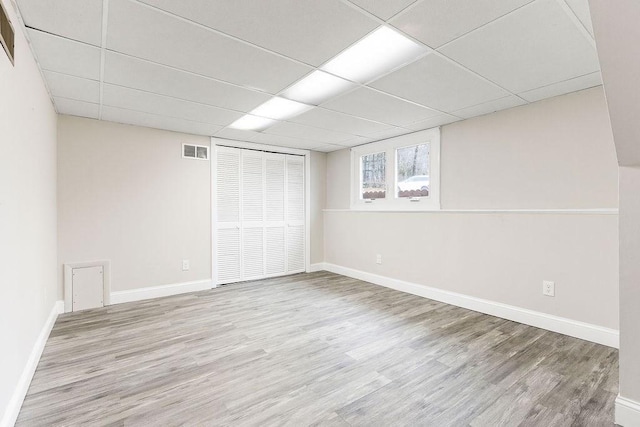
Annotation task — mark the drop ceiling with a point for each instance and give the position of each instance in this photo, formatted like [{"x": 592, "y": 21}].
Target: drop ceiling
[{"x": 197, "y": 66}]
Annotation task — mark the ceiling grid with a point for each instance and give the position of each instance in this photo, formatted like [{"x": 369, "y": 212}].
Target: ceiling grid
[{"x": 196, "y": 67}]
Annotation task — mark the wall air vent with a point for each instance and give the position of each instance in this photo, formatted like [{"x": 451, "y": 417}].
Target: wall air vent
[
  {"x": 6, "y": 33},
  {"x": 199, "y": 152}
]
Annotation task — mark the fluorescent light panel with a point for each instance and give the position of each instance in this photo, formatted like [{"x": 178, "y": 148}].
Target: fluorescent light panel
[
  {"x": 249, "y": 122},
  {"x": 317, "y": 87},
  {"x": 376, "y": 54},
  {"x": 268, "y": 113},
  {"x": 280, "y": 109}
]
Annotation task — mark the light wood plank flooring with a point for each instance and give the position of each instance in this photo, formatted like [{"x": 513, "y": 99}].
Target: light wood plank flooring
[{"x": 314, "y": 349}]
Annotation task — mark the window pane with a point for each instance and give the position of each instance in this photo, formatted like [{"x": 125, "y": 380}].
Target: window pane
[
  {"x": 373, "y": 176},
  {"x": 202, "y": 152},
  {"x": 413, "y": 171},
  {"x": 189, "y": 150}
]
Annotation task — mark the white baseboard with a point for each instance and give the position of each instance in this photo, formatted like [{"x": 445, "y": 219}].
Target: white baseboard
[
  {"x": 574, "y": 328},
  {"x": 627, "y": 412},
  {"x": 160, "y": 291},
  {"x": 13, "y": 408},
  {"x": 315, "y": 267}
]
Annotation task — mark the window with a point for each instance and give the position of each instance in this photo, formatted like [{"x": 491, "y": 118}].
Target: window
[
  {"x": 195, "y": 152},
  {"x": 400, "y": 173},
  {"x": 373, "y": 176},
  {"x": 412, "y": 171}
]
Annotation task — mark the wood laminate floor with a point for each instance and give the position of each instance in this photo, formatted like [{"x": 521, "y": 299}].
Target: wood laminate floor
[{"x": 314, "y": 349}]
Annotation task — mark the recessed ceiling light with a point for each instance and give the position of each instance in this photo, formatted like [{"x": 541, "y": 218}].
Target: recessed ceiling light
[
  {"x": 249, "y": 122},
  {"x": 280, "y": 109},
  {"x": 317, "y": 87},
  {"x": 376, "y": 54}
]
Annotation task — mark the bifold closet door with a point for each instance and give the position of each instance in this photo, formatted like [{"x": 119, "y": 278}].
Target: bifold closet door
[
  {"x": 252, "y": 214},
  {"x": 260, "y": 215},
  {"x": 275, "y": 230},
  {"x": 295, "y": 214},
  {"x": 228, "y": 249}
]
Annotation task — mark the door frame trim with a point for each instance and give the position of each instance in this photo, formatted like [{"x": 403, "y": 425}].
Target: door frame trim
[{"x": 272, "y": 149}]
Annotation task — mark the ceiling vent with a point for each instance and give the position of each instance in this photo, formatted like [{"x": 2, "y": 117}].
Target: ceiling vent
[
  {"x": 6, "y": 33},
  {"x": 199, "y": 152}
]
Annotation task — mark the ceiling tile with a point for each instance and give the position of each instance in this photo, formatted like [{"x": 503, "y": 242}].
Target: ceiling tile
[
  {"x": 358, "y": 140},
  {"x": 148, "y": 33},
  {"x": 581, "y": 9},
  {"x": 436, "y": 22},
  {"x": 310, "y": 31},
  {"x": 383, "y": 9},
  {"x": 490, "y": 107},
  {"x": 389, "y": 133},
  {"x": 66, "y": 56},
  {"x": 374, "y": 105},
  {"x": 438, "y": 83},
  {"x": 535, "y": 46},
  {"x": 73, "y": 107},
  {"x": 237, "y": 134},
  {"x": 65, "y": 86},
  {"x": 579, "y": 83},
  {"x": 329, "y": 148},
  {"x": 441, "y": 120},
  {"x": 340, "y": 122},
  {"x": 131, "y": 99},
  {"x": 140, "y": 74},
  {"x": 286, "y": 141},
  {"x": 120, "y": 115},
  {"x": 295, "y": 130},
  {"x": 75, "y": 19}
]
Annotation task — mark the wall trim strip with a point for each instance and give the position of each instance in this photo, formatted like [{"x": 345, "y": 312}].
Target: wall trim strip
[
  {"x": 627, "y": 412},
  {"x": 13, "y": 408},
  {"x": 562, "y": 325},
  {"x": 603, "y": 211},
  {"x": 140, "y": 294}
]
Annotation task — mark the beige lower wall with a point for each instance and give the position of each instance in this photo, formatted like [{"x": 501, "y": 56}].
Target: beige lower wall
[
  {"x": 501, "y": 257},
  {"x": 126, "y": 194},
  {"x": 553, "y": 154},
  {"x": 28, "y": 288}
]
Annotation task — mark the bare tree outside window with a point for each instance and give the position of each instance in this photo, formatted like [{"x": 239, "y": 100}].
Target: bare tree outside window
[
  {"x": 373, "y": 167},
  {"x": 413, "y": 171}
]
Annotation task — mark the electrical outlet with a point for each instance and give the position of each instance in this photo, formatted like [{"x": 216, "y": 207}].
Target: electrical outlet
[
  {"x": 378, "y": 259},
  {"x": 185, "y": 265},
  {"x": 548, "y": 288}
]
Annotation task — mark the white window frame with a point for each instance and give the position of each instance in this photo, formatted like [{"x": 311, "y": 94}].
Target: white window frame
[{"x": 391, "y": 202}]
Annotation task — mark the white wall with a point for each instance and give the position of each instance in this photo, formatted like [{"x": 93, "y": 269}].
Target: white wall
[
  {"x": 617, "y": 36},
  {"x": 554, "y": 154},
  {"x": 27, "y": 212},
  {"x": 126, "y": 194}
]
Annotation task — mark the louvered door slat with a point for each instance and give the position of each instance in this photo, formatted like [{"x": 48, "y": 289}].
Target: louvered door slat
[
  {"x": 252, "y": 186},
  {"x": 228, "y": 255},
  {"x": 275, "y": 250},
  {"x": 295, "y": 248},
  {"x": 252, "y": 253},
  {"x": 228, "y": 186},
  {"x": 295, "y": 188},
  {"x": 275, "y": 165}
]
